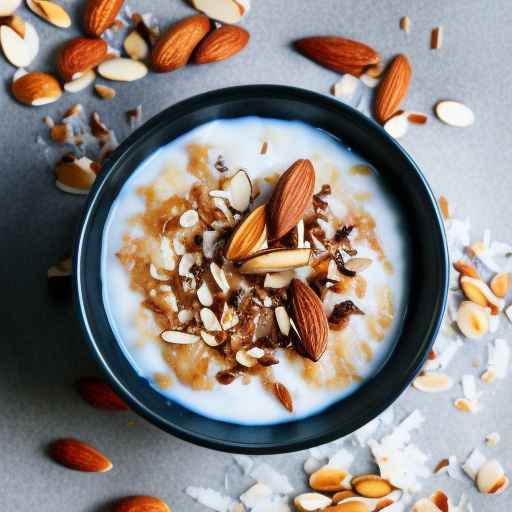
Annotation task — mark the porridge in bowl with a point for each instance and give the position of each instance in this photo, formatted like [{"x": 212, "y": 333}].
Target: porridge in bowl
[{"x": 254, "y": 270}]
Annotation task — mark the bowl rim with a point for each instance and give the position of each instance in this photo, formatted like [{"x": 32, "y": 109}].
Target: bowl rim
[{"x": 147, "y": 130}]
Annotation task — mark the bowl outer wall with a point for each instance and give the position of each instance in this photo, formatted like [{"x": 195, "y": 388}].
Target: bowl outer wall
[{"x": 427, "y": 286}]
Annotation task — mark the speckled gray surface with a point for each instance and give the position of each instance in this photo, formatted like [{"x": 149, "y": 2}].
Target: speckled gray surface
[{"x": 43, "y": 350}]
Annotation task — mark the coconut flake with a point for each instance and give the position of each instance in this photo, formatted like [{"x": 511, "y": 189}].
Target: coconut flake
[
  {"x": 266, "y": 474},
  {"x": 498, "y": 358},
  {"x": 342, "y": 459},
  {"x": 346, "y": 87},
  {"x": 210, "y": 321},
  {"x": 245, "y": 462},
  {"x": 312, "y": 464},
  {"x": 473, "y": 463},
  {"x": 155, "y": 274},
  {"x": 364, "y": 433},
  {"x": 211, "y": 499},
  {"x": 221, "y": 205}
]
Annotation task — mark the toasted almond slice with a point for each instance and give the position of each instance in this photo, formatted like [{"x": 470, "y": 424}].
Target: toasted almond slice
[
  {"x": 204, "y": 295},
  {"x": 490, "y": 477},
  {"x": 465, "y": 405},
  {"x": 210, "y": 321},
  {"x": 417, "y": 118},
  {"x": 243, "y": 358},
  {"x": 220, "y": 277},
  {"x": 358, "y": 264},
  {"x": 397, "y": 125},
  {"x": 249, "y": 236},
  {"x": 445, "y": 209},
  {"x": 240, "y": 191},
  {"x": 454, "y": 113},
  {"x": 466, "y": 269},
  {"x": 51, "y": 12},
  {"x": 226, "y": 11},
  {"x": 479, "y": 293},
  {"x": 500, "y": 284},
  {"x": 473, "y": 320},
  {"x": 371, "y": 486},
  {"x": 135, "y": 46},
  {"x": 7, "y": 7},
  {"x": 189, "y": 219},
  {"x": 275, "y": 260},
  {"x": 210, "y": 339},
  {"x": 105, "y": 92},
  {"x": 180, "y": 338},
  {"x": 500, "y": 486},
  {"x": 432, "y": 382},
  {"x": 15, "y": 48},
  {"x": 279, "y": 279},
  {"x": 122, "y": 70},
  {"x": 328, "y": 479},
  {"x": 488, "y": 377},
  {"x": 79, "y": 84},
  {"x": 311, "y": 502},
  {"x": 283, "y": 320}
]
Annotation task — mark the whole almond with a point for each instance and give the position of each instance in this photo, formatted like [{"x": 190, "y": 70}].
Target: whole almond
[
  {"x": 174, "y": 48},
  {"x": 80, "y": 456},
  {"x": 283, "y": 395},
  {"x": 221, "y": 44},
  {"x": 100, "y": 15},
  {"x": 338, "y": 53},
  {"x": 36, "y": 89},
  {"x": 99, "y": 394},
  {"x": 141, "y": 504},
  {"x": 310, "y": 320},
  {"x": 393, "y": 88},
  {"x": 80, "y": 55},
  {"x": 290, "y": 198},
  {"x": 249, "y": 235}
]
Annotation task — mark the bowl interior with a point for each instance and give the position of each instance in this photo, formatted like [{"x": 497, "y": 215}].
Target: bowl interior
[{"x": 427, "y": 278}]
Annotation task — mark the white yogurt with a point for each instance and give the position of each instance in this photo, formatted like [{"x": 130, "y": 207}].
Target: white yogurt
[{"x": 239, "y": 142}]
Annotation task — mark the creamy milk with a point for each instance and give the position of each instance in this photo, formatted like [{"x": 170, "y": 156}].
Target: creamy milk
[{"x": 239, "y": 142}]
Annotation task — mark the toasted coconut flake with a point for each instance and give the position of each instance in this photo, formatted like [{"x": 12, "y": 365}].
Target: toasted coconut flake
[
  {"x": 220, "y": 277},
  {"x": 189, "y": 219},
  {"x": 283, "y": 320},
  {"x": 155, "y": 274},
  {"x": 167, "y": 254},
  {"x": 490, "y": 477},
  {"x": 466, "y": 269},
  {"x": 180, "y": 338},
  {"x": 311, "y": 502},
  {"x": 454, "y": 113},
  {"x": 346, "y": 87},
  {"x": 210, "y": 321},
  {"x": 433, "y": 382},
  {"x": 204, "y": 295},
  {"x": 240, "y": 190},
  {"x": 436, "y": 38},
  {"x": 473, "y": 320},
  {"x": 492, "y": 439}
]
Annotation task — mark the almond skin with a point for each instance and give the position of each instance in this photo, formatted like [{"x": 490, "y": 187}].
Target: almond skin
[
  {"x": 100, "y": 15},
  {"x": 99, "y": 394},
  {"x": 309, "y": 316},
  {"x": 80, "y": 456},
  {"x": 393, "y": 88},
  {"x": 81, "y": 55},
  {"x": 174, "y": 48},
  {"x": 338, "y": 53},
  {"x": 34, "y": 86},
  {"x": 249, "y": 235},
  {"x": 221, "y": 44},
  {"x": 291, "y": 196},
  {"x": 141, "y": 504}
]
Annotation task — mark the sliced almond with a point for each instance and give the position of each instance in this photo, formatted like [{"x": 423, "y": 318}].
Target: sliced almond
[
  {"x": 371, "y": 486},
  {"x": 343, "y": 495},
  {"x": 105, "y": 92},
  {"x": 358, "y": 264},
  {"x": 417, "y": 118},
  {"x": 425, "y": 505},
  {"x": 243, "y": 358},
  {"x": 155, "y": 274},
  {"x": 328, "y": 479},
  {"x": 249, "y": 236},
  {"x": 490, "y": 477},
  {"x": 432, "y": 382},
  {"x": 210, "y": 339},
  {"x": 135, "y": 46},
  {"x": 311, "y": 502},
  {"x": 465, "y": 405},
  {"x": 279, "y": 279},
  {"x": 454, "y": 113},
  {"x": 204, "y": 295},
  {"x": 7, "y": 7},
  {"x": 283, "y": 320},
  {"x": 240, "y": 190},
  {"x": 15, "y": 48},
  {"x": 210, "y": 321},
  {"x": 479, "y": 293},
  {"x": 76, "y": 177},
  {"x": 397, "y": 125},
  {"x": 51, "y": 12},
  {"x": 500, "y": 284},
  {"x": 189, "y": 219},
  {"x": 220, "y": 277},
  {"x": 445, "y": 210},
  {"x": 79, "y": 84},
  {"x": 122, "y": 70},
  {"x": 185, "y": 316},
  {"x": 357, "y": 505},
  {"x": 180, "y": 338},
  {"x": 226, "y": 11},
  {"x": 275, "y": 260},
  {"x": 473, "y": 320}
]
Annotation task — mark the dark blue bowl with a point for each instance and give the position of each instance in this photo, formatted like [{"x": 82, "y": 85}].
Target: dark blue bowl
[{"x": 427, "y": 277}]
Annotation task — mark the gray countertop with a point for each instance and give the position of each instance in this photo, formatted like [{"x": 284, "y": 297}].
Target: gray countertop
[{"x": 45, "y": 352}]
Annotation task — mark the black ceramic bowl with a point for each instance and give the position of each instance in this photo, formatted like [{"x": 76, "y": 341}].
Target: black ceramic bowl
[{"x": 427, "y": 278}]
